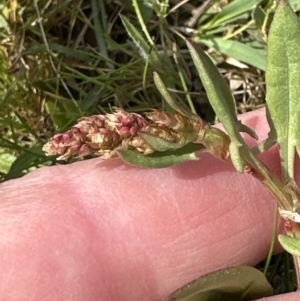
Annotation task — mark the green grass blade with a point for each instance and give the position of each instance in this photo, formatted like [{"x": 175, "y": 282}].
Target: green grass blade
[
  {"x": 239, "y": 51},
  {"x": 141, "y": 21},
  {"x": 100, "y": 21},
  {"x": 139, "y": 41},
  {"x": 283, "y": 82},
  {"x": 31, "y": 158},
  {"x": 180, "y": 108},
  {"x": 231, "y": 12}
]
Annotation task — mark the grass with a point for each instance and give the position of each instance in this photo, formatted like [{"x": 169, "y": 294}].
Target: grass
[{"x": 61, "y": 60}]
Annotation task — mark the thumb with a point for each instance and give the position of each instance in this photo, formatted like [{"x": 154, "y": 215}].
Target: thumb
[{"x": 107, "y": 231}]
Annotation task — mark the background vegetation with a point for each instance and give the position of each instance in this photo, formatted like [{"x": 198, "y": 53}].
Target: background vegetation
[{"x": 61, "y": 60}]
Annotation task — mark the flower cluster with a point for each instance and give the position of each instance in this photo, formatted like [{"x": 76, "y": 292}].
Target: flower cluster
[{"x": 105, "y": 135}]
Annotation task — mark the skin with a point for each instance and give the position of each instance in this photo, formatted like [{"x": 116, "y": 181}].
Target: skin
[{"x": 106, "y": 231}]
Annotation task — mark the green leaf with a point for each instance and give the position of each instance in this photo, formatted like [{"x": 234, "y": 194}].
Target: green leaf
[
  {"x": 233, "y": 284},
  {"x": 231, "y": 12},
  {"x": 100, "y": 26},
  {"x": 180, "y": 108},
  {"x": 70, "y": 52},
  {"x": 290, "y": 244},
  {"x": 161, "y": 160},
  {"x": 259, "y": 16},
  {"x": 222, "y": 101},
  {"x": 3, "y": 23},
  {"x": 138, "y": 7},
  {"x": 283, "y": 82},
  {"x": 63, "y": 113},
  {"x": 146, "y": 9},
  {"x": 295, "y": 4},
  {"x": 240, "y": 51},
  {"x": 159, "y": 144}
]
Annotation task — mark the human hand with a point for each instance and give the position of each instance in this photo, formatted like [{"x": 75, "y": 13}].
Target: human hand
[{"x": 106, "y": 231}]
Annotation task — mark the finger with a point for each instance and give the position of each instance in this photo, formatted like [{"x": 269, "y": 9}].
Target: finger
[
  {"x": 284, "y": 297},
  {"x": 107, "y": 231}
]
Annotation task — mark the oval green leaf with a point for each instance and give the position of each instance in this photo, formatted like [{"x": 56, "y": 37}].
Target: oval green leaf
[
  {"x": 290, "y": 244},
  {"x": 159, "y": 144},
  {"x": 283, "y": 82},
  {"x": 222, "y": 101},
  {"x": 161, "y": 160},
  {"x": 233, "y": 284}
]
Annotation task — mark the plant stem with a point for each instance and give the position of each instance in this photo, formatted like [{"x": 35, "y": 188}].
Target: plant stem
[{"x": 260, "y": 171}]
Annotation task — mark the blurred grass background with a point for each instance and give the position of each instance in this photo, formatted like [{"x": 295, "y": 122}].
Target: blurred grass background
[{"x": 61, "y": 60}]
